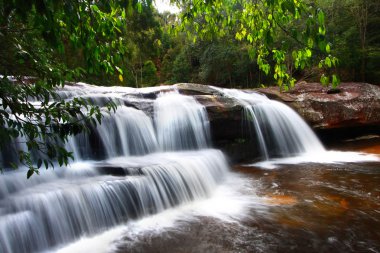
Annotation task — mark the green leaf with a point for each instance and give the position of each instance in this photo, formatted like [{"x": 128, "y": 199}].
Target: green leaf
[
  {"x": 335, "y": 81},
  {"x": 48, "y": 120},
  {"x": 310, "y": 42},
  {"x": 324, "y": 80},
  {"x": 39, "y": 163},
  {"x": 119, "y": 70},
  {"x": 29, "y": 173},
  {"x": 328, "y": 48},
  {"x": 94, "y": 8},
  {"x": 294, "y": 54},
  {"x": 328, "y": 62},
  {"x": 139, "y": 7},
  {"x": 308, "y": 53},
  {"x": 321, "y": 17}
]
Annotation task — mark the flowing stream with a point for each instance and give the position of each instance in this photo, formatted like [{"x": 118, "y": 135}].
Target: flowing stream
[
  {"x": 149, "y": 173},
  {"x": 281, "y": 132}
]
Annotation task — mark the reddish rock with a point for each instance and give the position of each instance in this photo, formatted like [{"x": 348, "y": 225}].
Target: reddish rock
[{"x": 357, "y": 104}]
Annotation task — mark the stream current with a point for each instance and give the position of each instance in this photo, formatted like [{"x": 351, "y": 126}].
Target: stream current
[{"x": 153, "y": 183}]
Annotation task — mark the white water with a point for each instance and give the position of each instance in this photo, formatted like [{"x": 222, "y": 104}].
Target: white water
[
  {"x": 182, "y": 123},
  {"x": 134, "y": 180},
  {"x": 321, "y": 157},
  {"x": 62, "y": 209},
  {"x": 227, "y": 203},
  {"x": 284, "y": 137},
  {"x": 137, "y": 173},
  {"x": 126, "y": 132},
  {"x": 280, "y": 131}
]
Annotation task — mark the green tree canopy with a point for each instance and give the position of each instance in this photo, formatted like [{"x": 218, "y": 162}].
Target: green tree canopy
[
  {"x": 263, "y": 24},
  {"x": 149, "y": 72},
  {"x": 353, "y": 28}
]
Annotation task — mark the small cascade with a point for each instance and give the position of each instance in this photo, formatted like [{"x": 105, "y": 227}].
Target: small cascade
[
  {"x": 45, "y": 214},
  {"x": 285, "y": 132},
  {"x": 109, "y": 135},
  {"x": 126, "y": 132},
  {"x": 80, "y": 146},
  {"x": 280, "y": 131},
  {"x": 9, "y": 154},
  {"x": 254, "y": 127},
  {"x": 120, "y": 172},
  {"x": 182, "y": 123},
  {"x": 136, "y": 132}
]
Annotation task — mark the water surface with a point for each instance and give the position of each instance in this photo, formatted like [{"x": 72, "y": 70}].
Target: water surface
[{"x": 306, "y": 207}]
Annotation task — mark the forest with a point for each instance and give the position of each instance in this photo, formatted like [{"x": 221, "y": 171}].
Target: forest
[{"x": 151, "y": 48}]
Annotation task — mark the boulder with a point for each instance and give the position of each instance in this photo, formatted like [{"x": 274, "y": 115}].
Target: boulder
[
  {"x": 226, "y": 121},
  {"x": 225, "y": 114},
  {"x": 355, "y": 105}
]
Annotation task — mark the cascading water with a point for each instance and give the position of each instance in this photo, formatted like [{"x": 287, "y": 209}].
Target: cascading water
[
  {"x": 182, "y": 123},
  {"x": 280, "y": 131},
  {"x": 63, "y": 208},
  {"x": 134, "y": 165},
  {"x": 133, "y": 179},
  {"x": 9, "y": 154},
  {"x": 127, "y": 132},
  {"x": 285, "y": 131}
]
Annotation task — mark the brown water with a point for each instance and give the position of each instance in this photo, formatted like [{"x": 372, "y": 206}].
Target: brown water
[{"x": 308, "y": 208}]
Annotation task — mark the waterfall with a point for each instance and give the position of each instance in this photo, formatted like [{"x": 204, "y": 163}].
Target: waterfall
[
  {"x": 280, "y": 131},
  {"x": 182, "y": 123},
  {"x": 136, "y": 132},
  {"x": 63, "y": 208},
  {"x": 123, "y": 171},
  {"x": 126, "y": 132},
  {"x": 153, "y": 153},
  {"x": 9, "y": 153},
  {"x": 285, "y": 132}
]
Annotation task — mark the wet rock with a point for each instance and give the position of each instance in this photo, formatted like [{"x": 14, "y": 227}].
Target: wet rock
[
  {"x": 153, "y": 92},
  {"x": 225, "y": 115},
  {"x": 143, "y": 104},
  {"x": 353, "y": 105},
  {"x": 195, "y": 89},
  {"x": 226, "y": 123},
  {"x": 114, "y": 170}
]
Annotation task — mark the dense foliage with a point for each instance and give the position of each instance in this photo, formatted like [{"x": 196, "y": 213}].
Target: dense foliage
[
  {"x": 233, "y": 43},
  {"x": 314, "y": 41},
  {"x": 37, "y": 37},
  {"x": 353, "y": 28},
  {"x": 263, "y": 26}
]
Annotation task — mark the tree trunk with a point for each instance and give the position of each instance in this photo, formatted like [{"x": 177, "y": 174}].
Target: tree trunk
[{"x": 363, "y": 22}]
